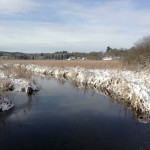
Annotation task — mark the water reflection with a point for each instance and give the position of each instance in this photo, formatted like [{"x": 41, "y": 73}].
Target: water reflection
[
  {"x": 70, "y": 116},
  {"x": 18, "y": 112},
  {"x": 142, "y": 117}
]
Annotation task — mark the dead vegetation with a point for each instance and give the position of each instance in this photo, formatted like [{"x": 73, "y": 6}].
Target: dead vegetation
[
  {"x": 139, "y": 55},
  {"x": 17, "y": 72},
  {"x": 12, "y": 72},
  {"x": 21, "y": 73},
  {"x": 5, "y": 85},
  {"x": 89, "y": 64}
]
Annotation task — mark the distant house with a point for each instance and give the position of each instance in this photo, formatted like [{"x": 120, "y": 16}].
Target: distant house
[
  {"x": 107, "y": 58},
  {"x": 84, "y": 58},
  {"x": 76, "y": 58},
  {"x": 111, "y": 58},
  {"x": 71, "y": 58}
]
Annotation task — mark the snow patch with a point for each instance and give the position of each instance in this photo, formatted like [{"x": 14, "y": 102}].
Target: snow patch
[
  {"x": 5, "y": 104},
  {"x": 8, "y": 82}
]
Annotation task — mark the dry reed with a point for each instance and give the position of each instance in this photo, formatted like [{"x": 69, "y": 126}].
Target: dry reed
[
  {"x": 89, "y": 64},
  {"x": 17, "y": 72}
]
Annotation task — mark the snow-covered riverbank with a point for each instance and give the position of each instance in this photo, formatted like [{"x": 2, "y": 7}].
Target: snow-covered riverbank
[
  {"x": 128, "y": 87},
  {"x": 10, "y": 83},
  {"x": 133, "y": 88}
]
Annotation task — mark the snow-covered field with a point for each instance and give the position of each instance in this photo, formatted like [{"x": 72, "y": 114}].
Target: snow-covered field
[
  {"x": 127, "y": 87},
  {"x": 11, "y": 83}
]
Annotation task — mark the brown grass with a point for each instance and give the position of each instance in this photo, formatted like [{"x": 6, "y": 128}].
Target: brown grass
[
  {"x": 18, "y": 72},
  {"x": 21, "y": 73},
  {"x": 89, "y": 64}
]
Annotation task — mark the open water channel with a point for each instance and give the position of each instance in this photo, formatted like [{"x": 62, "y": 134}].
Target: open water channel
[{"x": 64, "y": 117}]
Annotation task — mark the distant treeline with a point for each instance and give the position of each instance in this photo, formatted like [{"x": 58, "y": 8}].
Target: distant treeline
[
  {"x": 137, "y": 56},
  {"x": 63, "y": 55}
]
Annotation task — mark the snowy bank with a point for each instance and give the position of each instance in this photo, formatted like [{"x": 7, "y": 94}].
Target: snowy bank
[
  {"x": 18, "y": 85},
  {"x": 126, "y": 87},
  {"x": 133, "y": 88},
  {"x": 23, "y": 85},
  {"x": 9, "y": 82}
]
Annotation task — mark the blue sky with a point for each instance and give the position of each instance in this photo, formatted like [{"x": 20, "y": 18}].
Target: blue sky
[{"x": 72, "y": 25}]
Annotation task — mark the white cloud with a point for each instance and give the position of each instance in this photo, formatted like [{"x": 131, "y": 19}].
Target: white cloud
[
  {"x": 53, "y": 36},
  {"x": 15, "y": 6},
  {"x": 80, "y": 26},
  {"x": 117, "y": 12}
]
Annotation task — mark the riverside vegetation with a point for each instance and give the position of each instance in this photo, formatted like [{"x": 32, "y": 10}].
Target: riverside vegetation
[{"x": 125, "y": 80}]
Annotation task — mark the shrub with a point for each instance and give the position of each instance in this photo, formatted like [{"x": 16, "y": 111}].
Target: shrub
[{"x": 139, "y": 55}]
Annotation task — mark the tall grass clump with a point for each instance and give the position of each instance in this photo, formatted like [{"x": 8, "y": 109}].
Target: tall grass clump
[{"x": 16, "y": 72}]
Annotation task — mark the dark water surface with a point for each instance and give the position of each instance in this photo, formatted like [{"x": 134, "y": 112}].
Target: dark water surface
[{"x": 63, "y": 117}]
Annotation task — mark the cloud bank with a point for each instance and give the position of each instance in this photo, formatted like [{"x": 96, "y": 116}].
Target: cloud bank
[
  {"x": 16, "y": 6},
  {"x": 48, "y": 26}
]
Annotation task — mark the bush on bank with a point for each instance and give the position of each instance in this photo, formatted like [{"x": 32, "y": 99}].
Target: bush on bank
[{"x": 139, "y": 55}]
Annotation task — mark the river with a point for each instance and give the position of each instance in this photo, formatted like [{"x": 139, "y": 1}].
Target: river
[{"x": 61, "y": 116}]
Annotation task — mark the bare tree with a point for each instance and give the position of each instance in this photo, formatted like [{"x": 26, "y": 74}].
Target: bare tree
[
  {"x": 139, "y": 55},
  {"x": 143, "y": 43}
]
